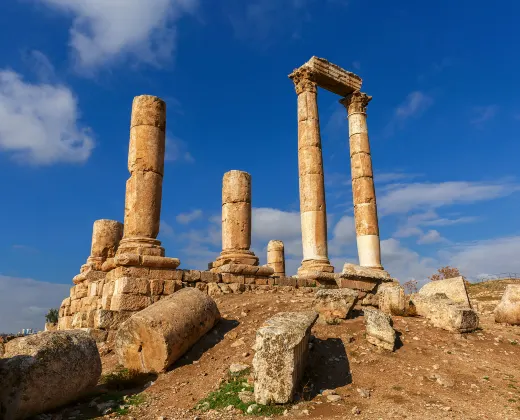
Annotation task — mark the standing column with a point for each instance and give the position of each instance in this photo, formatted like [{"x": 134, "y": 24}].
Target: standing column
[
  {"x": 313, "y": 211},
  {"x": 144, "y": 187},
  {"x": 106, "y": 235},
  {"x": 363, "y": 191},
  {"x": 236, "y": 220},
  {"x": 276, "y": 257}
]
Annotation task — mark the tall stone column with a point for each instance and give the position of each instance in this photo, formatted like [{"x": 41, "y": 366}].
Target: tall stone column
[
  {"x": 106, "y": 235},
  {"x": 312, "y": 187},
  {"x": 363, "y": 191},
  {"x": 144, "y": 187},
  {"x": 236, "y": 220},
  {"x": 276, "y": 257}
]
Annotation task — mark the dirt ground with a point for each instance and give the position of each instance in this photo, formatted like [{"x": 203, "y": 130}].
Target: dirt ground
[{"x": 433, "y": 374}]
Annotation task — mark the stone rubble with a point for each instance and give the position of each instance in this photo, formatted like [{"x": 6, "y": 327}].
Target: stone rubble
[
  {"x": 334, "y": 305},
  {"x": 508, "y": 310},
  {"x": 454, "y": 289},
  {"x": 379, "y": 329}
]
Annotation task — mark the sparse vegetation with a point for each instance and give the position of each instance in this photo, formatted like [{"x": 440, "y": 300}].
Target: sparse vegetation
[
  {"x": 52, "y": 316},
  {"x": 410, "y": 286},
  {"x": 227, "y": 395},
  {"x": 446, "y": 272},
  {"x": 123, "y": 378}
]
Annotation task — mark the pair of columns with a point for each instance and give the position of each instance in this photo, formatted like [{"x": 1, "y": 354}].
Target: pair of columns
[{"x": 311, "y": 178}]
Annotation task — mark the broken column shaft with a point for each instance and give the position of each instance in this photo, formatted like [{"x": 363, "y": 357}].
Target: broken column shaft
[
  {"x": 106, "y": 235},
  {"x": 144, "y": 187},
  {"x": 276, "y": 257},
  {"x": 312, "y": 187},
  {"x": 363, "y": 191}
]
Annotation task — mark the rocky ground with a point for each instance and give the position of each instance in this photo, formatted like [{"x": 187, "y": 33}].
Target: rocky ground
[{"x": 433, "y": 374}]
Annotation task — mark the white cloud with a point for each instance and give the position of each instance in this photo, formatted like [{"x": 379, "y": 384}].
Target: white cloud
[
  {"x": 177, "y": 150},
  {"x": 25, "y": 302},
  {"x": 402, "y": 198},
  {"x": 430, "y": 237},
  {"x": 166, "y": 229},
  {"x": 39, "y": 122},
  {"x": 186, "y": 218},
  {"x": 269, "y": 223},
  {"x": 105, "y": 30},
  {"x": 386, "y": 177},
  {"x": 415, "y": 103}
]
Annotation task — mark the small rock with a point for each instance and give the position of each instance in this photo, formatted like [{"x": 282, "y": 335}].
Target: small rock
[
  {"x": 365, "y": 393},
  {"x": 252, "y": 408},
  {"x": 328, "y": 392},
  {"x": 238, "y": 343},
  {"x": 333, "y": 398},
  {"x": 238, "y": 367},
  {"x": 356, "y": 411},
  {"x": 246, "y": 397},
  {"x": 229, "y": 407}
]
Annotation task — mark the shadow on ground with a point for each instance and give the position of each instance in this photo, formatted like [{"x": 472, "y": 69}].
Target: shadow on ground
[
  {"x": 328, "y": 368},
  {"x": 211, "y": 339}
]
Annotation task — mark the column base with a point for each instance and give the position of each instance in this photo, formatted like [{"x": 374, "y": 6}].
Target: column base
[
  {"x": 234, "y": 256},
  {"x": 141, "y": 246},
  {"x": 312, "y": 266}
]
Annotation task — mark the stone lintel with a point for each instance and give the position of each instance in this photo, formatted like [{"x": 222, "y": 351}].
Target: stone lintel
[
  {"x": 332, "y": 77},
  {"x": 135, "y": 260},
  {"x": 246, "y": 269},
  {"x": 357, "y": 272}
]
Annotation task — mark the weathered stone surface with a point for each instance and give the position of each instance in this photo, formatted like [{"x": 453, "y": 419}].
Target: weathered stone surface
[
  {"x": 391, "y": 299},
  {"x": 281, "y": 353},
  {"x": 129, "y": 302},
  {"x": 106, "y": 235},
  {"x": 334, "y": 304},
  {"x": 454, "y": 289},
  {"x": 444, "y": 313},
  {"x": 109, "y": 320},
  {"x": 508, "y": 310},
  {"x": 379, "y": 329},
  {"x": 357, "y": 272},
  {"x": 46, "y": 370},
  {"x": 245, "y": 269},
  {"x": 152, "y": 339},
  {"x": 131, "y": 285},
  {"x": 276, "y": 257}
]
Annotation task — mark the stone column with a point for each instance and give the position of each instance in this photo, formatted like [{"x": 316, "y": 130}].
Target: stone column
[
  {"x": 236, "y": 220},
  {"x": 312, "y": 187},
  {"x": 276, "y": 257},
  {"x": 144, "y": 187},
  {"x": 106, "y": 235},
  {"x": 363, "y": 191}
]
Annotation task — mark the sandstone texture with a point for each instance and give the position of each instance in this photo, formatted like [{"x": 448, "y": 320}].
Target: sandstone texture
[
  {"x": 391, "y": 299},
  {"x": 276, "y": 257},
  {"x": 46, "y": 370},
  {"x": 444, "y": 313},
  {"x": 454, "y": 289},
  {"x": 106, "y": 235},
  {"x": 508, "y": 310},
  {"x": 154, "y": 338},
  {"x": 379, "y": 329},
  {"x": 334, "y": 304},
  {"x": 281, "y": 351}
]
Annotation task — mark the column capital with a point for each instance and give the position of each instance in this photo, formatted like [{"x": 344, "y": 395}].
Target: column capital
[
  {"x": 356, "y": 102},
  {"x": 303, "y": 80}
]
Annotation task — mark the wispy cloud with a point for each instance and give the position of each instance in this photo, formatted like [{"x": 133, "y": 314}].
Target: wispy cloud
[
  {"x": 104, "y": 31},
  {"x": 430, "y": 237},
  {"x": 187, "y": 218},
  {"x": 482, "y": 114},
  {"x": 414, "y": 104},
  {"x": 177, "y": 151},
  {"x": 387, "y": 177}
]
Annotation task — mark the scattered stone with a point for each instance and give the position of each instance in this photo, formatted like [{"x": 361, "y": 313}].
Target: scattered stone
[
  {"x": 380, "y": 331},
  {"x": 356, "y": 411},
  {"x": 444, "y": 313},
  {"x": 238, "y": 367},
  {"x": 281, "y": 354},
  {"x": 36, "y": 368},
  {"x": 252, "y": 408},
  {"x": 392, "y": 299},
  {"x": 454, "y": 289},
  {"x": 365, "y": 393},
  {"x": 333, "y": 398},
  {"x": 328, "y": 392},
  {"x": 334, "y": 304},
  {"x": 508, "y": 310},
  {"x": 154, "y": 338},
  {"x": 247, "y": 397},
  {"x": 238, "y": 343}
]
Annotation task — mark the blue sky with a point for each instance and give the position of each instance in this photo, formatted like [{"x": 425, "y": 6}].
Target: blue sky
[{"x": 443, "y": 125}]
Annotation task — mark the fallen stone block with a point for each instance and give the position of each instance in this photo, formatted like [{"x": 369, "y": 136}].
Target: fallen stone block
[
  {"x": 508, "y": 310},
  {"x": 454, "y": 289},
  {"x": 154, "y": 338},
  {"x": 281, "y": 346},
  {"x": 334, "y": 304},
  {"x": 444, "y": 313},
  {"x": 391, "y": 299},
  {"x": 379, "y": 329},
  {"x": 43, "y": 371}
]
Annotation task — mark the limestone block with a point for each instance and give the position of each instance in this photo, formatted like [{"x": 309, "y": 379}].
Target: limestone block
[
  {"x": 310, "y": 160},
  {"x": 454, "y": 288},
  {"x": 312, "y": 193},
  {"x": 209, "y": 277},
  {"x": 281, "y": 350},
  {"x": 156, "y": 287},
  {"x": 444, "y": 313},
  {"x": 203, "y": 287},
  {"x": 246, "y": 269},
  {"x": 224, "y": 288},
  {"x": 43, "y": 371},
  {"x": 171, "y": 286},
  {"x": 392, "y": 299},
  {"x": 148, "y": 110},
  {"x": 80, "y": 291},
  {"x": 146, "y": 150},
  {"x": 357, "y": 272},
  {"x": 236, "y": 225},
  {"x": 214, "y": 290},
  {"x": 166, "y": 274},
  {"x": 130, "y": 285},
  {"x": 237, "y": 287},
  {"x": 276, "y": 257},
  {"x": 129, "y": 302},
  {"x": 334, "y": 304},
  {"x": 99, "y": 336},
  {"x": 108, "y": 320},
  {"x": 363, "y": 190},
  {"x": 379, "y": 329},
  {"x": 192, "y": 275},
  {"x": 361, "y": 165},
  {"x": 365, "y": 216},
  {"x": 141, "y": 272},
  {"x": 359, "y": 142},
  {"x": 308, "y": 131},
  {"x": 152, "y": 339},
  {"x": 508, "y": 310},
  {"x": 364, "y": 285},
  {"x": 65, "y": 302},
  {"x": 158, "y": 261},
  {"x": 65, "y": 323}
]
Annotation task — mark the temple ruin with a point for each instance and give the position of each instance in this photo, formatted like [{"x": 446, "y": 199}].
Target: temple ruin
[{"x": 127, "y": 269}]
